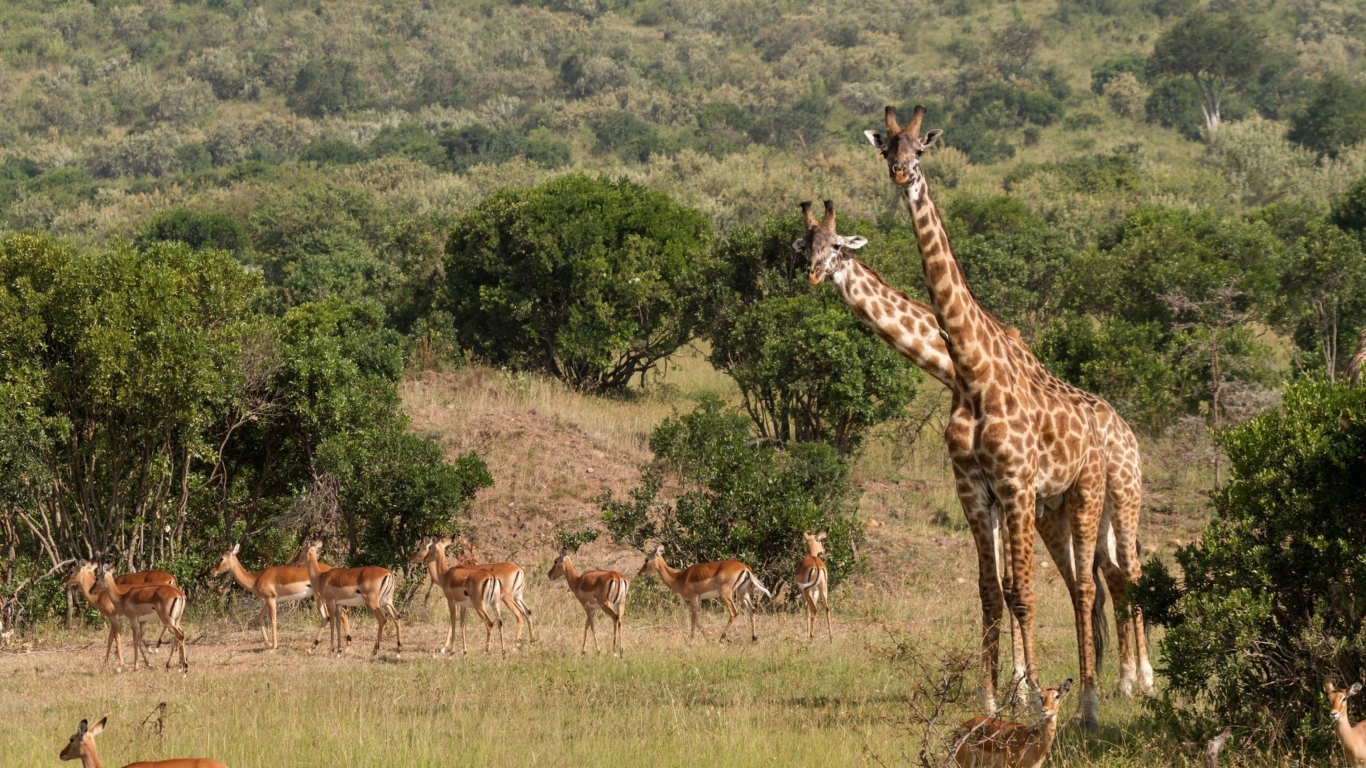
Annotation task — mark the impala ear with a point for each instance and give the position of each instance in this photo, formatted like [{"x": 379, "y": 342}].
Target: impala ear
[
  {"x": 854, "y": 243},
  {"x": 1065, "y": 687},
  {"x": 99, "y": 727},
  {"x": 81, "y": 729},
  {"x": 876, "y": 140},
  {"x": 659, "y": 551},
  {"x": 821, "y": 536},
  {"x": 564, "y": 552},
  {"x": 1354, "y": 690},
  {"x": 931, "y": 138},
  {"x": 236, "y": 548}
]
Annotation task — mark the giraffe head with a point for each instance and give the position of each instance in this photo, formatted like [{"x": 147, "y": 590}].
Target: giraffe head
[
  {"x": 823, "y": 246},
  {"x": 902, "y": 148}
]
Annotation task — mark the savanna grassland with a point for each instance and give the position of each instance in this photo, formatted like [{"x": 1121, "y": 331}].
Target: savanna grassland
[{"x": 782, "y": 701}]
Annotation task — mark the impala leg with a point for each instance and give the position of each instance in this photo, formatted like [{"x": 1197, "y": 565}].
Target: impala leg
[
  {"x": 511, "y": 603},
  {"x": 464, "y": 644},
  {"x": 398, "y": 632},
  {"x": 749, "y": 606},
  {"x": 615, "y": 616},
  {"x": 526, "y": 614},
  {"x": 694, "y": 606},
  {"x": 811, "y": 609},
  {"x": 109, "y": 643},
  {"x": 345, "y": 624},
  {"x": 730, "y": 608},
  {"x": 381, "y": 620},
  {"x": 273, "y": 607},
  {"x": 326, "y": 622},
  {"x": 260, "y": 621},
  {"x": 498, "y": 615},
  {"x": 450, "y": 629},
  {"x": 825, "y": 597}
]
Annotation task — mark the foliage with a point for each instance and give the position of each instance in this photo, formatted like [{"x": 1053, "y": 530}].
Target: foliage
[
  {"x": 806, "y": 368},
  {"x": 1333, "y": 118},
  {"x": 1349, "y": 211},
  {"x": 1126, "y": 363},
  {"x": 1324, "y": 289},
  {"x": 326, "y": 85},
  {"x": 197, "y": 229},
  {"x": 1135, "y": 64},
  {"x": 1270, "y": 604},
  {"x": 589, "y": 280},
  {"x": 737, "y": 498}
]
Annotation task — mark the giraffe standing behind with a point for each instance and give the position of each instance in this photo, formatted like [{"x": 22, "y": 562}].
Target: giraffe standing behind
[
  {"x": 911, "y": 329},
  {"x": 1033, "y": 443}
]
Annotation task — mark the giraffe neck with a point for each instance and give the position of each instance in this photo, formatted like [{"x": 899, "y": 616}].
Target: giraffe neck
[
  {"x": 907, "y": 326},
  {"x": 971, "y": 332}
]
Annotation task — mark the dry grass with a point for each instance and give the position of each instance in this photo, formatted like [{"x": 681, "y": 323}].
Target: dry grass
[{"x": 667, "y": 702}]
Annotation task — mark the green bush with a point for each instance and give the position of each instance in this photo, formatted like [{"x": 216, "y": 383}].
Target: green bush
[
  {"x": 1135, "y": 64},
  {"x": 326, "y": 86},
  {"x": 807, "y": 369},
  {"x": 197, "y": 229},
  {"x": 1349, "y": 211},
  {"x": 1126, "y": 363},
  {"x": 1272, "y": 600},
  {"x": 332, "y": 151},
  {"x": 1175, "y": 103},
  {"x": 589, "y": 280},
  {"x": 1333, "y": 118},
  {"x": 738, "y": 498}
]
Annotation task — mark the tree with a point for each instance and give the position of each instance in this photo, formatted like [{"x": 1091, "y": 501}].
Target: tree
[
  {"x": 1218, "y": 52},
  {"x": 1349, "y": 211},
  {"x": 738, "y": 498},
  {"x": 1272, "y": 600},
  {"x": 326, "y": 86},
  {"x": 1126, "y": 363},
  {"x": 589, "y": 280},
  {"x": 807, "y": 369},
  {"x": 1324, "y": 288},
  {"x": 1333, "y": 118},
  {"x": 197, "y": 229}
]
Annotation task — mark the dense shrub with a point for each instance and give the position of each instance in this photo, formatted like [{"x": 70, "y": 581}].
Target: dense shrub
[
  {"x": 1272, "y": 602},
  {"x": 589, "y": 280},
  {"x": 326, "y": 86},
  {"x": 197, "y": 229},
  {"x": 478, "y": 144},
  {"x": 737, "y": 498},
  {"x": 1334, "y": 116},
  {"x": 1126, "y": 363},
  {"x": 1135, "y": 64},
  {"x": 333, "y": 151},
  {"x": 807, "y": 369}
]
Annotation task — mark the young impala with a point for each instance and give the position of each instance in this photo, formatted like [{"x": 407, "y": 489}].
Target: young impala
[
  {"x": 594, "y": 590},
  {"x": 513, "y": 581},
  {"x": 138, "y": 605},
  {"x": 83, "y": 576},
  {"x": 991, "y": 743},
  {"x": 370, "y": 586},
  {"x": 476, "y": 589},
  {"x": 812, "y": 583},
  {"x": 1353, "y": 737},
  {"x": 723, "y": 579},
  {"x": 279, "y": 584},
  {"x": 82, "y": 747}
]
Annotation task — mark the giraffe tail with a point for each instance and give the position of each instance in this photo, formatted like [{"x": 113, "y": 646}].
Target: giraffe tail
[{"x": 1100, "y": 622}]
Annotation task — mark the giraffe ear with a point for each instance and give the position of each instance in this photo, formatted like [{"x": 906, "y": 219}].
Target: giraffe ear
[
  {"x": 876, "y": 140},
  {"x": 931, "y": 138},
  {"x": 799, "y": 245},
  {"x": 854, "y": 242}
]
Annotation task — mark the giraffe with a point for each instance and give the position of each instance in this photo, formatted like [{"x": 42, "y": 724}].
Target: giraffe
[
  {"x": 1034, "y": 444},
  {"x": 911, "y": 329}
]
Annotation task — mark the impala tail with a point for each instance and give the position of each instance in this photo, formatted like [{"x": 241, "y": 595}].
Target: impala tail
[
  {"x": 616, "y": 594},
  {"x": 748, "y": 578},
  {"x": 518, "y": 584},
  {"x": 386, "y": 597}
]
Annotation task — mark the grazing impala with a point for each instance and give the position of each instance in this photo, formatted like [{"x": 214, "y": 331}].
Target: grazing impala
[
  {"x": 84, "y": 577},
  {"x": 476, "y": 589},
  {"x": 280, "y": 584},
  {"x": 594, "y": 590},
  {"x": 723, "y": 579},
  {"x": 1353, "y": 737},
  {"x": 370, "y": 586},
  {"x": 812, "y": 583},
  {"x": 82, "y": 747},
  {"x": 513, "y": 581},
  {"x": 138, "y": 605},
  {"x": 991, "y": 743}
]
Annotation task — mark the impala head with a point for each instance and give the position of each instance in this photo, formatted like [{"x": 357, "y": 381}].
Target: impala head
[
  {"x": 814, "y": 544},
  {"x": 653, "y": 561},
  {"x": 83, "y": 741},
  {"x": 823, "y": 246},
  {"x": 557, "y": 570},
  {"x": 1050, "y": 699},
  {"x": 224, "y": 563},
  {"x": 1337, "y": 700},
  {"x": 420, "y": 552},
  {"x": 78, "y": 571},
  {"x": 902, "y": 148}
]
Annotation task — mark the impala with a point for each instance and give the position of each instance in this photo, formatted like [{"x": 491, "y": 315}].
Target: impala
[
  {"x": 723, "y": 579},
  {"x": 279, "y": 584},
  {"x": 513, "y": 581},
  {"x": 593, "y": 590},
  {"x": 370, "y": 586},
  {"x": 82, "y": 747},
  {"x": 139, "y": 604},
  {"x": 812, "y": 583},
  {"x": 476, "y": 589},
  {"x": 991, "y": 743},
  {"x": 84, "y": 577},
  {"x": 1353, "y": 737}
]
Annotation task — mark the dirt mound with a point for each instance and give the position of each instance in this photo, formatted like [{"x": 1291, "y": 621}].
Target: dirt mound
[{"x": 547, "y": 469}]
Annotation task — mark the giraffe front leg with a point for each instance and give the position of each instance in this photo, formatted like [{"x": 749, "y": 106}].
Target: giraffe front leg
[
  {"x": 1085, "y": 504},
  {"x": 1017, "y": 510}
]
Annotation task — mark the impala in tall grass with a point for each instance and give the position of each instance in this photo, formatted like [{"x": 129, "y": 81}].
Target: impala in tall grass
[
  {"x": 138, "y": 605},
  {"x": 370, "y": 586},
  {"x": 726, "y": 580},
  {"x": 605, "y": 590},
  {"x": 82, "y": 747},
  {"x": 466, "y": 589}
]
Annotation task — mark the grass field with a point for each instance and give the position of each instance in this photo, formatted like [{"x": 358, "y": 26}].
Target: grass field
[{"x": 667, "y": 702}]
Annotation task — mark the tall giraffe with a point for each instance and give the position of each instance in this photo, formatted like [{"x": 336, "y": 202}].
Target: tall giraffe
[
  {"x": 1034, "y": 442},
  {"x": 911, "y": 329}
]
